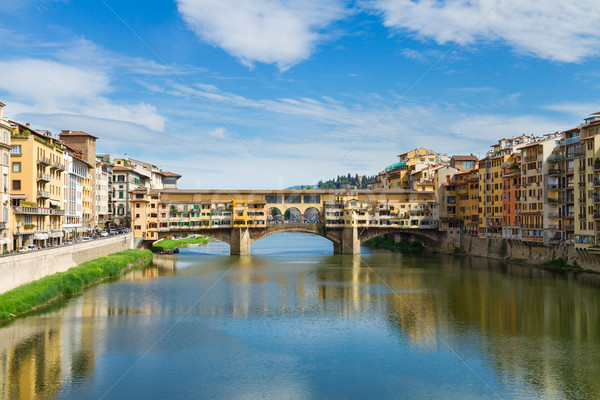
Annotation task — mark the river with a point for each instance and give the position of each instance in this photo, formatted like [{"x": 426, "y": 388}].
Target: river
[{"x": 293, "y": 321}]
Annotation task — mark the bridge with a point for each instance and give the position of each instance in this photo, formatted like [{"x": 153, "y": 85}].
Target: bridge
[{"x": 345, "y": 217}]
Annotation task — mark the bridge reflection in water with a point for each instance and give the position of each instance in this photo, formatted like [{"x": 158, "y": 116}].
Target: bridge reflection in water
[{"x": 536, "y": 329}]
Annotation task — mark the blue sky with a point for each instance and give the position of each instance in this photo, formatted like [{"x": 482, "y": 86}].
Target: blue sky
[{"x": 274, "y": 93}]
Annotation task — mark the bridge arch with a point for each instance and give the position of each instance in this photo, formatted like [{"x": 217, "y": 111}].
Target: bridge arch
[
  {"x": 315, "y": 229},
  {"x": 292, "y": 213},
  {"x": 274, "y": 214},
  {"x": 312, "y": 214}
]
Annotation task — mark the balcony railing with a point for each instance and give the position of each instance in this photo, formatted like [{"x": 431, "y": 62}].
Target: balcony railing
[
  {"x": 57, "y": 212},
  {"x": 43, "y": 161},
  {"x": 572, "y": 140},
  {"x": 58, "y": 166},
  {"x": 581, "y": 184},
  {"x": 569, "y": 227},
  {"x": 553, "y": 186},
  {"x": 554, "y": 172},
  {"x": 43, "y": 194},
  {"x": 43, "y": 177},
  {"x": 31, "y": 210}
]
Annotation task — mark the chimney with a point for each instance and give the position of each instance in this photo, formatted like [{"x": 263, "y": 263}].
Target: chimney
[{"x": 27, "y": 124}]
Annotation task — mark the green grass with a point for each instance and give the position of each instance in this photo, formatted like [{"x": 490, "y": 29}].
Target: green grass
[
  {"x": 170, "y": 244},
  {"x": 387, "y": 243},
  {"x": 26, "y": 297}
]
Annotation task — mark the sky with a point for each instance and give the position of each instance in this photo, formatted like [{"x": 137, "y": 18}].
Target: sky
[{"x": 267, "y": 94}]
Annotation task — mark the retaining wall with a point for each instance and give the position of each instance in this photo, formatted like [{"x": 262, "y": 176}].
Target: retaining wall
[
  {"x": 19, "y": 269},
  {"x": 516, "y": 250}
]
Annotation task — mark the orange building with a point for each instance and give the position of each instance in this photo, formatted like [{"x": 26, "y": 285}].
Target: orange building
[{"x": 511, "y": 199}]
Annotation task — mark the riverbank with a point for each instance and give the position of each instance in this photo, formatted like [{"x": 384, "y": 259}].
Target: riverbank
[
  {"x": 39, "y": 293},
  {"x": 171, "y": 244}
]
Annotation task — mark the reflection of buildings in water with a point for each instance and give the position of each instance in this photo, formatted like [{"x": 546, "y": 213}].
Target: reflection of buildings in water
[
  {"x": 166, "y": 262},
  {"x": 535, "y": 326}
]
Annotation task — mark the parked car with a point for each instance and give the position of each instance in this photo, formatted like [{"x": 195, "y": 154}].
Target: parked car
[
  {"x": 68, "y": 242},
  {"x": 32, "y": 247},
  {"x": 86, "y": 239},
  {"x": 104, "y": 234},
  {"x": 23, "y": 250}
]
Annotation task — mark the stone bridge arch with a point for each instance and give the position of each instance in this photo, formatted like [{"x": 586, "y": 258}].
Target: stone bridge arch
[{"x": 429, "y": 237}]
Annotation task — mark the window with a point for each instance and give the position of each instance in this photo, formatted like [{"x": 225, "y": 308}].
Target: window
[
  {"x": 121, "y": 194},
  {"x": 16, "y": 185},
  {"x": 16, "y": 150},
  {"x": 16, "y": 167}
]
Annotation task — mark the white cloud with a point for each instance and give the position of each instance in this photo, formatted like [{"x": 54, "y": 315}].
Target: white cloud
[
  {"x": 557, "y": 30},
  {"x": 219, "y": 133},
  {"x": 47, "y": 87},
  {"x": 281, "y": 32}
]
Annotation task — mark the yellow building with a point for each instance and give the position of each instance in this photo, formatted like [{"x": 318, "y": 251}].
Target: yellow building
[
  {"x": 587, "y": 191},
  {"x": 36, "y": 187},
  {"x": 400, "y": 174},
  {"x": 467, "y": 198}
]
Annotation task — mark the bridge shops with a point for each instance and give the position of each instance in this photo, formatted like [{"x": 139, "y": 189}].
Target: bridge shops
[{"x": 163, "y": 213}]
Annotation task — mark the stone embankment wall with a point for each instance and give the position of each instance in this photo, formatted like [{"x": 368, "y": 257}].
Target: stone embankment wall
[
  {"x": 19, "y": 269},
  {"x": 516, "y": 250}
]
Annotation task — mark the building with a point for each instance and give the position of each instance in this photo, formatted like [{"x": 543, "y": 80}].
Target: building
[
  {"x": 400, "y": 174},
  {"x": 76, "y": 194},
  {"x": 587, "y": 192},
  {"x": 86, "y": 144},
  {"x": 463, "y": 163},
  {"x": 511, "y": 199},
  {"x": 5, "y": 217},
  {"x": 491, "y": 214},
  {"x": 535, "y": 216},
  {"x": 125, "y": 180},
  {"x": 103, "y": 191},
  {"x": 37, "y": 165}
]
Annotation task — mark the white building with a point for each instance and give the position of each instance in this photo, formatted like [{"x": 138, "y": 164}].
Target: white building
[
  {"x": 5, "y": 218},
  {"x": 76, "y": 171},
  {"x": 103, "y": 192}
]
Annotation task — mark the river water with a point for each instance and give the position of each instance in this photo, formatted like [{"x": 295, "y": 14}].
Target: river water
[{"x": 294, "y": 321}]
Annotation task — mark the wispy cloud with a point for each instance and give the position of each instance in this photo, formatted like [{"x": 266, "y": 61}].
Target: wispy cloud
[
  {"x": 50, "y": 87},
  {"x": 557, "y": 30},
  {"x": 280, "y": 32}
]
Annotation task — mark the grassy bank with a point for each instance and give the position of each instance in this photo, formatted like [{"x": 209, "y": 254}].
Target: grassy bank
[
  {"x": 170, "y": 244},
  {"x": 32, "y": 295},
  {"x": 383, "y": 242}
]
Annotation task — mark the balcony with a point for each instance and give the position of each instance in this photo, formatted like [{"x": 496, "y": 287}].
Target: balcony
[
  {"x": 554, "y": 172},
  {"x": 554, "y": 215},
  {"x": 596, "y": 216},
  {"x": 581, "y": 185},
  {"x": 582, "y": 200},
  {"x": 582, "y": 169},
  {"x": 43, "y": 177},
  {"x": 596, "y": 167},
  {"x": 58, "y": 166},
  {"x": 57, "y": 212},
  {"x": 578, "y": 154},
  {"x": 42, "y": 194},
  {"x": 596, "y": 184},
  {"x": 553, "y": 186},
  {"x": 569, "y": 227},
  {"x": 45, "y": 161},
  {"x": 31, "y": 210},
  {"x": 571, "y": 140},
  {"x": 556, "y": 157},
  {"x": 569, "y": 216}
]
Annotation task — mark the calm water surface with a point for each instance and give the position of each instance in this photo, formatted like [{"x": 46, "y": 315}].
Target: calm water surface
[{"x": 295, "y": 321}]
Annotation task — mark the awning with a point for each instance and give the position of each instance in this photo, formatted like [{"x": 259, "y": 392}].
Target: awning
[
  {"x": 56, "y": 234},
  {"x": 5, "y": 241},
  {"x": 19, "y": 196},
  {"x": 81, "y": 229},
  {"x": 40, "y": 236},
  {"x": 54, "y": 203}
]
